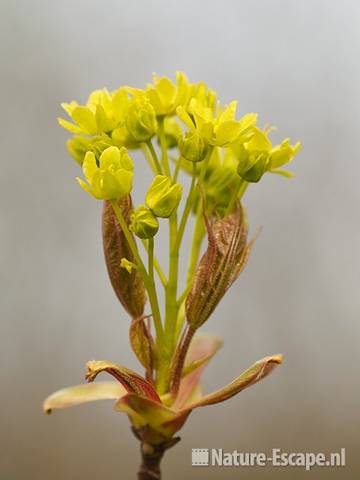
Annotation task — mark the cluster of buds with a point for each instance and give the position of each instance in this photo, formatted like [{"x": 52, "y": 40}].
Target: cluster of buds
[{"x": 221, "y": 155}]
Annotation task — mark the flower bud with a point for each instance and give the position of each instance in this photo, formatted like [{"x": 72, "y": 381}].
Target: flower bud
[
  {"x": 141, "y": 120},
  {"x": 254, "y": 167},
  {"x": 163, "y": 196},
  {"x": 193, "y": 147},
  {"x": 143, "y": 222}
]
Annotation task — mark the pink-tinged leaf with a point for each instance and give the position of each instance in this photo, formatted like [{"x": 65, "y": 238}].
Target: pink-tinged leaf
[
  {"x": 71, "y": 396},
  {"x": 142, "y": 344},
  {"x": 128, "y": 286},
  {"x": 156, "y": 421},
  {"x": 220, "y": 266},
  {"x": 133, "y": 382},
  {"x": 252, "y": 375},
  {"x": 202, "y": 349}
]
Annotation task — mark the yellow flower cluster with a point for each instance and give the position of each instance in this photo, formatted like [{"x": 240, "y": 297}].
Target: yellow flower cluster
[{"x": 208, "y": 135}]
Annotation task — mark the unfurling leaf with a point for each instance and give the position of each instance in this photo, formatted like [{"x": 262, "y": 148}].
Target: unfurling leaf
[
  {"x": 128, "y": 286},
  {"x": 202, "y": 349},
  {"x": 219, "y": 267},
  {"x": 142, "y": 343},
  {"x": 252, "y": 375},
  {"x": 133, "y": 382},
  {"x": 71, "y": 396}
]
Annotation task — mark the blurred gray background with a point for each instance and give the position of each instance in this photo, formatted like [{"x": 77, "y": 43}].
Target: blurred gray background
[{"x": 297, "y": 64}]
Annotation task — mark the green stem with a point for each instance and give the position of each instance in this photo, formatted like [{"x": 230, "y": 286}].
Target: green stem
[
  {"x": 244, "y": 185},
  {"x": 171, "y": 307},
  {"x": 198, "y": 236},
  {"x": 204, "y": 166},
  {"x": 187, "y": 209},
  {"x": 148, "y": 157},
  {"x": 154, "y": 157},
  {"x": 237, "y": 195},
  {"x": 177, "y": 169},
  {"x": 164, "y": 153},
  {"x": 151, "y": 259},
  {"x": 157, "y": 265},
  {"x": 149, "y": 283}
]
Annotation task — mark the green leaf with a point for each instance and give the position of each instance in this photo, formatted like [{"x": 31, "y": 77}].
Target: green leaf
[{"x": 71, "y": 396}]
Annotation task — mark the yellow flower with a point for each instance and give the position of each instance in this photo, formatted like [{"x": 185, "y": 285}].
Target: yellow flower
[
  {"x": 78, "y": 145},
  {"x": 141, "y": 119},
  {"x": 220, "y": 129},
  {"x": 258, "y": 156},
  {"x": 165, "y": 96},
  {"x": 111, "y": 177},
  {"x": 282, "y": 154},
  {"x": 102, "y": 112}
]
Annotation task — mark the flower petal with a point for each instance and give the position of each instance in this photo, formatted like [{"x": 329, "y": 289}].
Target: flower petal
[
  {"x": 69, "y": 107},
  {"x": 69, "y": 126},
  {"x": 110, "y": 158},
  {"x": 252, "y": 375},
  {"x": 227, "y": 132},
  {"x": 185, "y": 117},
  {"x": 106, "y": 186},
  {"x": 85, "y": 118},
  {"x": 71, "y": 396},
  {"x": 89, "y": 166}
]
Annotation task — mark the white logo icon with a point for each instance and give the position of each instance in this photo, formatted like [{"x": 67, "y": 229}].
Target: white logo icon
[{"x": 200, "y": 457}]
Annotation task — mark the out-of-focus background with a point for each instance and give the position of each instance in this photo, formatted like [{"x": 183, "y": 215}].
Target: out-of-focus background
[{"x": 297, "y": 64}]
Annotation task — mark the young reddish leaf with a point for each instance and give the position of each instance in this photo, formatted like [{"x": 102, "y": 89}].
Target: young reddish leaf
[
  {"x": 133, "y": 382},
  {"x": 142, "y": 343},
  {"x": 201, "y": 357},
  {"x": 252, "y": 375},
  {"x": 128, "y": 286},
  {"x": 71, "y": 396},
  {"x": 220, "y": 265},
  {"x": 202, "y": 349}
]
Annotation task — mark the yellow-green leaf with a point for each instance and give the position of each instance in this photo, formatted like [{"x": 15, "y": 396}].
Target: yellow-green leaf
[
  {"x": 252, "y": 375},
  {"x": 91, "y": 392}
]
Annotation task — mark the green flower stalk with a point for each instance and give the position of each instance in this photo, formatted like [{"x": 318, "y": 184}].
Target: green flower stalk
[{"x": 221, "y": 155}]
